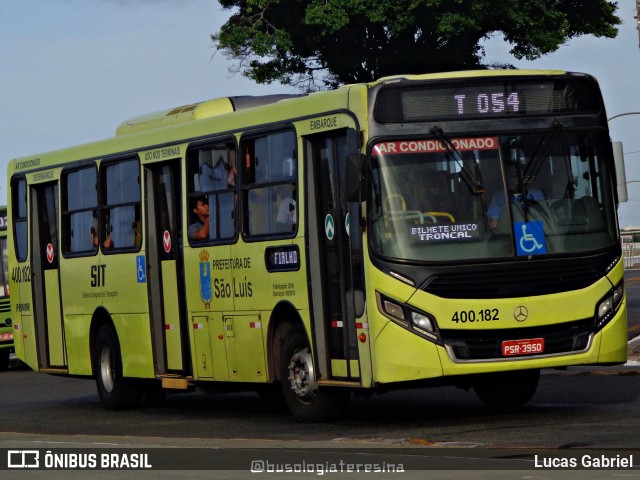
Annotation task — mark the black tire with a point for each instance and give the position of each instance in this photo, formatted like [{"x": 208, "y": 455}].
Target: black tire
[
  {"x": 507, "y": 389},
  {"x": 116, "y": 392},
  {"x": 306, "y": 402},
  {"x": 4, "y": 359},
  {"x": 272, "y": 398}
]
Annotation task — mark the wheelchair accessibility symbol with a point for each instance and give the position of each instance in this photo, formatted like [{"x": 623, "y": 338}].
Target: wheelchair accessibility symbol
[
  {"x": 141, "y": 269},
  {"x": 530, "y": 238}
]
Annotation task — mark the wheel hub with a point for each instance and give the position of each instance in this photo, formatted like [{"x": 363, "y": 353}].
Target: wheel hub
[
  {"x": 301, "y": 374},
  {"x": 106, "y": 369}
]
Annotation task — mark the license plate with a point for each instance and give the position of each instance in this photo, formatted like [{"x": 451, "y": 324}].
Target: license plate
[
  {"x": 5, "y": 337},
  {"x": 528, "y": 346}
]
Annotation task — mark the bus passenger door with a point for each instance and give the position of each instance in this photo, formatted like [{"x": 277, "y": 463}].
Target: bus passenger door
[
  {"x": 333, "y": 259},
  {"x": 164, "y": 270},
  {"x": 45, "y": 264}
]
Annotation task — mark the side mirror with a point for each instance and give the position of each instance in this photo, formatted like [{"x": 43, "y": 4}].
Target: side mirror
[{"x": 621, "y": 177}]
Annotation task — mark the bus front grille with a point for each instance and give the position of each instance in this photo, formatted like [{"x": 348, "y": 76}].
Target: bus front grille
[
  {"x": 525, "y": 279},
  {"x": 466, "y": 345},
  {"x": 5, "y": 305}
]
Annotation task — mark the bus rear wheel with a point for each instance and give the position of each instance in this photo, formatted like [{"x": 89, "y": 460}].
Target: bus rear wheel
[
  {"x": 116, "y": 392},
  {"x": 306, "y": 401},
  {"x": 507, "y": 389}
]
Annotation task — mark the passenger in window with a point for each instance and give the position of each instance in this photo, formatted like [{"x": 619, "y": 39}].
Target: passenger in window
[
  {"x": 108, "y": 243},
  {"x": 232, "y": 169},
  {"x": 137, "y": 234},
  {"x": 199, "y": 229},
  {"x": 94, "y": 236},
  {"x": 287, "y": 217}
]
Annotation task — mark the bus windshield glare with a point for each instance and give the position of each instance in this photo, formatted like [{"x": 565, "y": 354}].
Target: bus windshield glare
[{"x": 495, "y": 196}]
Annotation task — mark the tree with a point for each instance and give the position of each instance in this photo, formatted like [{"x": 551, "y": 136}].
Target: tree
[{"x": 326, "y": 43}]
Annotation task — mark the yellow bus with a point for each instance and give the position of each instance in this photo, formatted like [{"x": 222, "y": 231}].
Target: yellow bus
[
  {"x": 6, "y": 324},
  {"x": 455, "y": 228}
]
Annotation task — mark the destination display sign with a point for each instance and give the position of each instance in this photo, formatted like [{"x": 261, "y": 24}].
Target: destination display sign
[
  {"x": 482, "y": 98},
  {"x": 283, "y": 258}
]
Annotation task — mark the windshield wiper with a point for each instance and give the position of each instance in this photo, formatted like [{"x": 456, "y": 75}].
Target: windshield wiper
[
  {"x": 541, "y": 153},
  {"x": 474, "y": 182}
]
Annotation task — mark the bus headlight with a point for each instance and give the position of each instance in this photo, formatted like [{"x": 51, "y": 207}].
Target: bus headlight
[
  {"x": 422, "y": 322},
  {"x": 618, "y": 293},
  {"x": 609, "y": 305},
  {"x": 418, "y": 322},
  {"x": 393, "y": 309}
]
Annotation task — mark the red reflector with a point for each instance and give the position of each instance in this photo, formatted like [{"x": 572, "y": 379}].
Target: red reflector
[{"x": 362, "y": 337}]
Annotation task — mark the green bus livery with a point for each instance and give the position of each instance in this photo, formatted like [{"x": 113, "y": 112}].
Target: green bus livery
[{"x": 455, "y": 228}]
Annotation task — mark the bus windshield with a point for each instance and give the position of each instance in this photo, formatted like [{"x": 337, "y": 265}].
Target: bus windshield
[{"x": 459, "y": 198}]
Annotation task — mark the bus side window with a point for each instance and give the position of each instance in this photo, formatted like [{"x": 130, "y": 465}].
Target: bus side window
[
  {"x": 20, "y": 221},
  {"x": 80, "y": 211},
  {"x": 269, "y": 174},
  {"x": 121, "y": 211},
  {"x": 213, "y": 174}
]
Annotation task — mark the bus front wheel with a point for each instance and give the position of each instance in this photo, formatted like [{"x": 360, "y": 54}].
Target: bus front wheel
[
  {"x": 306, "y": 401},
  {"x": 507, "y": 389},
  {"x": 116, "y": 392}
]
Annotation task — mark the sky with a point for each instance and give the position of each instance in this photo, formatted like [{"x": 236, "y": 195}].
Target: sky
[{"x": 71, "y": 71}]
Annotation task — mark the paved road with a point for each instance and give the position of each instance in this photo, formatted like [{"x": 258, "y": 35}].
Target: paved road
[
  {"x": 580, "y": 409},
  {"x": 571, "y": 413}
]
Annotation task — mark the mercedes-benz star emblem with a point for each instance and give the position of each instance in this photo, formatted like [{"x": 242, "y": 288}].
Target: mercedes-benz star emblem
[{"x": 520, "y": 313}]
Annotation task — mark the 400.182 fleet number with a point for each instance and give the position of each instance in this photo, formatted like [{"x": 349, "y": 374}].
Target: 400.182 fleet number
[{"x": 472, "y": 316}]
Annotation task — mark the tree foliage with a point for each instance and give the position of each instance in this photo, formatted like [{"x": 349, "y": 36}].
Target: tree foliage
[{"x": 325, "y": 43}]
